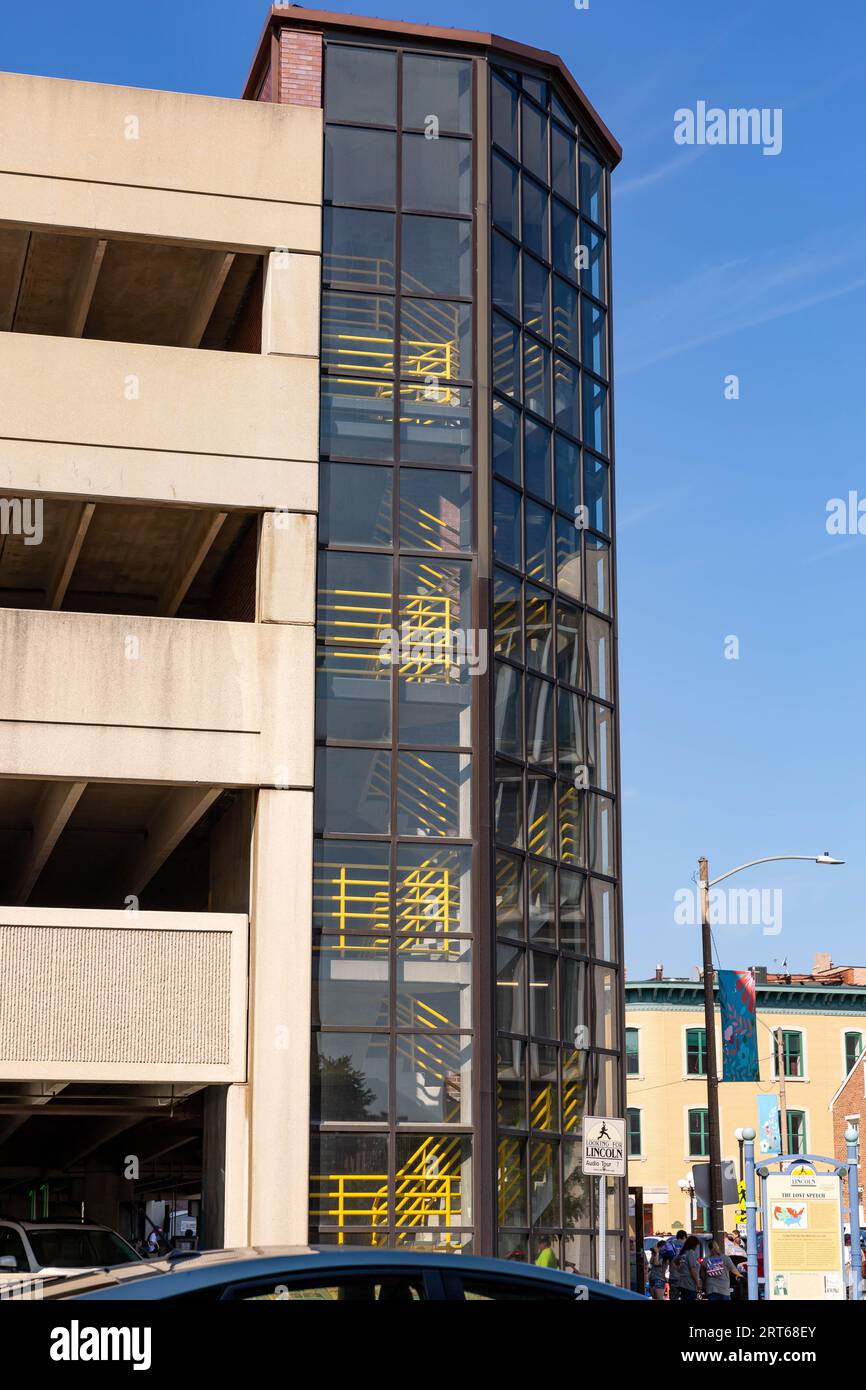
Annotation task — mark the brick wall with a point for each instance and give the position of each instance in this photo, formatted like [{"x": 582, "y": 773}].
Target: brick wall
[
  {"x": 245, "y": 334},
  {"x": 234, "y": 599},
  {"x": 300, "y": 67},
  {"x": 851, "y": 1101}
]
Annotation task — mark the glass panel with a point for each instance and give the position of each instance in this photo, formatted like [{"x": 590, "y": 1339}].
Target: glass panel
[
  {"x": 349, "y": 1180},
  {"x": 536, "y": 458},
  {"x": 567, "y": 476},
  {"x": 575, "y": 1201},
  {"x": 506, "y": 441},
  {"x": 353, "y": 694},
  {"x": 436, "y": 256},
  {"x": 353, "y": 599},
  {"x": 539, "y": 630},
  {"x": 355, "y": 504},
  {"x": 575, "y": 1004},
  {"x": 560, "y": 112},
  {"x": 350, "y": 886},
  {"x": 433, "y": 794},
  {"x": 503, "y": 102},
  {"x": 535, "y": 230},
  {"x": 435, "y": 339},
  {"x": 606, "y": 1009},
  {"x": 357, "y": 419},
  {"x": 568, "y": 625},
  {"x": 433, "y": 1072},
  {"x": 595, "y": 414},
  {"x": 566, "y": 391},
  {"x": 603, "y": 919},
  {"x": 433, "y": 890},
  {"x": 539, "y": 721},
  {"x": 504, "y": 275},
  {"x": 350, "y": 981},
  {"x": 596, "y": 492},
  {"x": 540, "y": 816},
  {"x": 535, "y": 124},
  {"x": 564, "y": 164},
  {"x": 536, "y": 376},
  {"x": 350, "y": 1077},
  {"x": 536, "y": 298},
  {"x": 358, "y": 332},
  {"x": 568, "y": 557},
  {"x": 572, "y": 918},
  {"x": 508, "y": 713},
  {"x": 508, "y": 805},
  {"x": 509, "y": 895},
  {"x": 435, "y": 424},
  {"x": 542, "y": 903},
  {"x": 594, "y": 327},
  {"x": 602, "y": 857},
  {"x": 352, "y": 791},
  {"x": 544, "y": 1183},
  {"x": 435, "y": 510},
  {"x": 599, "y": 651},
  {"x": 507, "y": 637},
  {"x": 434, "y": 978},
  {"x": 544, "y": 1086},
  {"x": 360, "y": 85},
  {"x": 571, "y": 824},
  {"x": 564, "y": 232},
  {"x": 510, "y": 989},
  {"x": 569, "y": 722},
  {"x": 591, "y": 186},
  {"x": 506, "y": 357},
  {"x": 602, "y": 771},
  {"x": 503, "y": 195},
  {"x": 433, "y": 1189},
  {"x": 592, "y": 276},
  {"x": 538, "y": 537},
  {"x": 543, "y": 1009},
  {"x": 606, "y": 1086},
  {"x": 598, "y": 593},
  {"x": 564, "y": 316},
  {"x": 437, "y": 174},
  {"x": 511, "y": 1083},
  {"x": 358, "y": 248},
  {"x": 360, "y": 166},
  {"x": 439, "y": 87},
  {"x": 511, "y": 1182},
  {"x": 574, "y": 1088},
  {"x": 506, "y": 525}
]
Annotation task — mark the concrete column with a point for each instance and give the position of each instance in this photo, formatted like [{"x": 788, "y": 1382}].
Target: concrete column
[{"x": 280, "y": 1017}]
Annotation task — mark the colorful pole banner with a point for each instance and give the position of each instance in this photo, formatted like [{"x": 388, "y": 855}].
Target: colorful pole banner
[
  {"x": 739, "y": 1027},
  {"x": 769, "y": 1136}
]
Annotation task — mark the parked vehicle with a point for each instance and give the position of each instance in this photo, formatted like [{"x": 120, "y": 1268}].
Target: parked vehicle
[
  {"x": 50, "y": 1248},
  {"x": 332, "y": 1274}
]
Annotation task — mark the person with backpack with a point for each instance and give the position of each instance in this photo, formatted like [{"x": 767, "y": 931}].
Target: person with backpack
[
  {"x": 687, "y": 1266},
  {"x": 671, "y": 1251}
]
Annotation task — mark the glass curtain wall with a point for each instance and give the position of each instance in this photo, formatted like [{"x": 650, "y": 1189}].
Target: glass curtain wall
[
  {"x": 392, "y": 1141},
  {"x": 557, "y": 987}
]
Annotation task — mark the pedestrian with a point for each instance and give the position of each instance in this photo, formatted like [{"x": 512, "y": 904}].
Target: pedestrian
[
  {"x": 717, "y": 1271},
  {"x": 545, "y": 1257},
  {"x": 688, "y": 1270},
  {"x": 658, "y": 1273},
  {"x": 676, "y": 1271}
]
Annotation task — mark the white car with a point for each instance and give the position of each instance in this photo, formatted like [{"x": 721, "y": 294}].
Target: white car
[{"x": 49, "y": 1248}]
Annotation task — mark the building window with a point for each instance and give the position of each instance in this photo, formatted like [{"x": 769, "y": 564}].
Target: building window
[
  {"x": 634, "y": 1133},
  {"x": 696, "y": 1051},
  {"x": 853, "y": 1049},
  {"x": 701, "y": 1223},
  {"x": 792, "y": 1053},
  {"x": 796, "y": 1131},
  {"x": 632, "y": 1051},
  {"x": 699, "y": 1134}
]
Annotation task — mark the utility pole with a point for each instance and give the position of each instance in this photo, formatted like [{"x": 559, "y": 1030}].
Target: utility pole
[
  {"x": 783, "y": 1105},
  {"x": 717, "y": 1210}
]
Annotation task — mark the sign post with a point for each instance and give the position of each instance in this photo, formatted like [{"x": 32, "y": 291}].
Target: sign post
[
  {"x": 851, "y": 1138},
  {"x": 603, "y": 1157},
  {"x": 751, "y": 1216}
]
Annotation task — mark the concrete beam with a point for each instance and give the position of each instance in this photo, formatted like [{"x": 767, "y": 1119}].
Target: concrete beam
[
  {"x": 199, "y": 538},
  {"x": 70, "y": 545},
  {"x": 38, "y": 1093},
  {"x": 174, "y": 819},
  {"x": 209, "y": 290},
  {"x": 56, "y": 805},
  {"x": 85, "y": 284}
]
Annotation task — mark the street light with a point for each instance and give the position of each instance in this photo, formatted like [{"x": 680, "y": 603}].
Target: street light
[
  {"x": 705, "y": 883},
  {"x": 687, "y": 1186}
]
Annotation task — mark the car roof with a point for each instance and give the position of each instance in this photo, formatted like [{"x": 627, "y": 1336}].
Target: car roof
[{"x": 213, "y": 1268}]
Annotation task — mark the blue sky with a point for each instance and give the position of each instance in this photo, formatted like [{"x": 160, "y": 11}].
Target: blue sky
[{"x": 726, "y": 261}]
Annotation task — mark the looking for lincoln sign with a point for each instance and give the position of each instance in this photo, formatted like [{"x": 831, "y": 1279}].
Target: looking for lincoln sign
[{"x": 604, "y": 1145}]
